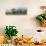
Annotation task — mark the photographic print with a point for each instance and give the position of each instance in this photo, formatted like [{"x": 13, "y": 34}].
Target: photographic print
[{"x": 16, "y": 11}]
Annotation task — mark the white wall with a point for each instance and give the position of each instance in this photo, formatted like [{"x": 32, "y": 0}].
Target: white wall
[{"x": 27, "y": 24}]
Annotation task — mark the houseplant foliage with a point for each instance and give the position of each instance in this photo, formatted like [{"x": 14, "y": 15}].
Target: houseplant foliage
[
  {"x": 42, "y": 19},
  {"x": 11, "y": 31}
]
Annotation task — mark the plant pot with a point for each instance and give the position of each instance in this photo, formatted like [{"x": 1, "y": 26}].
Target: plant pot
[
  {"x": 9, "y": 41},
  {"x": 43, "y": 23},
  {"x": 13, "y": 38}
]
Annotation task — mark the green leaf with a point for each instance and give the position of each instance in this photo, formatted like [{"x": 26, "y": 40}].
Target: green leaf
[
  {"x": 45, "y": 16},
  {"x": 11, "y": 32},
  {"x": 40, "y": 18}
]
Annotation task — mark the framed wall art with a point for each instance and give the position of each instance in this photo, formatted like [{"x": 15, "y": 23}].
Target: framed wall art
[{"x": 16, "y": 11}]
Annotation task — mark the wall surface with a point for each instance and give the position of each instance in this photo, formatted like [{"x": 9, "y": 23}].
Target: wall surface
[{"x": 26, "y": 25}]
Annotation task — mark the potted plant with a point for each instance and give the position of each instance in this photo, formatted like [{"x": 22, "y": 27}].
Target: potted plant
[
  {"x": 42, "y": 17},
  {"x": 10, "y": 31}
]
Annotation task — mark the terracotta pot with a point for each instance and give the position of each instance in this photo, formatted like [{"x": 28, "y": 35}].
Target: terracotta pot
[{"x": 43, "y": 23}]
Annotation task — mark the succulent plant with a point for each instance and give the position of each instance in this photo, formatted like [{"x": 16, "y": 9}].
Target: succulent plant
[{"x": 11, "y": 31}]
